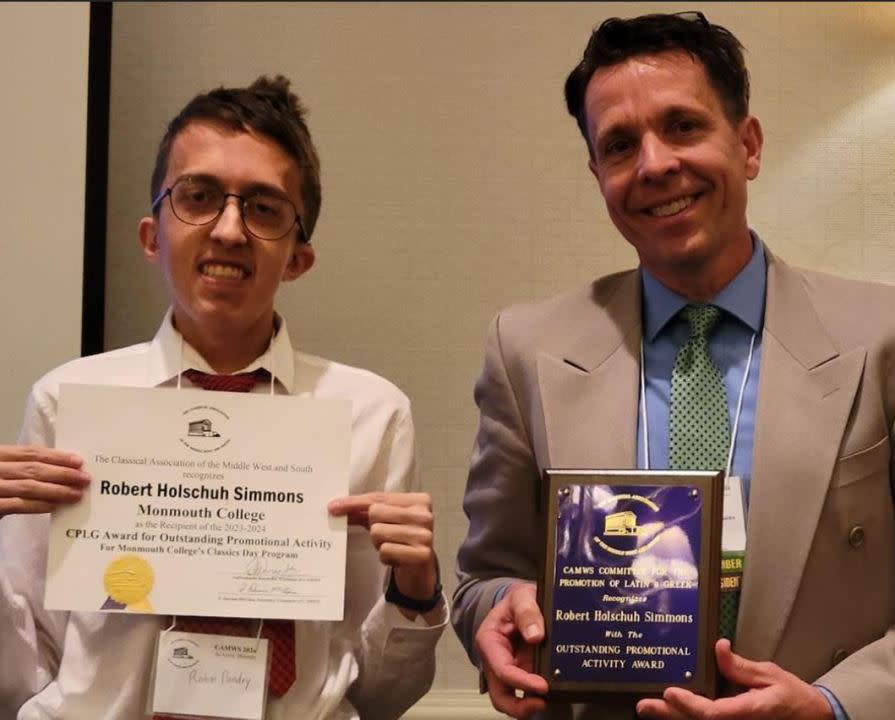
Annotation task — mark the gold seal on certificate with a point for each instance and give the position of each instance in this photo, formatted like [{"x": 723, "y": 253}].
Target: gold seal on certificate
[
  {"x": 630, "y": 582},
  {"x": 128, "y": 581},
  {"x": 202, "y": 504}
]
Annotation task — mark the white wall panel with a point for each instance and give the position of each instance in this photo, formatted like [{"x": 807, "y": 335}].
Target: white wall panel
[{"x": 43, "y": 74}]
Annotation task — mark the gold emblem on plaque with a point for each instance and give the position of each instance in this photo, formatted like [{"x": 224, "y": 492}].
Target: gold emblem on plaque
[{"x": 624, "y": 524}]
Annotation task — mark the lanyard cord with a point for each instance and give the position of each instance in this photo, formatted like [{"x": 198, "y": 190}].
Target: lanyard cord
[{"x": 736, "y": 417}]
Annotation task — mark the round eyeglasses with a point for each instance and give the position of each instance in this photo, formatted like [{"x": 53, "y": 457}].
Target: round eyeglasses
[{"x": 200, "y": 201}]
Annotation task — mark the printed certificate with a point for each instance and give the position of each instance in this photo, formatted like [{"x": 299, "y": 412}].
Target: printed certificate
[{"x": 202, "y": 503}]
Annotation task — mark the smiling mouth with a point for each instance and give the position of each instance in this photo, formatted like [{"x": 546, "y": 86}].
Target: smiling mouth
[
  {"x": 223, "y": 271},
  {"x": 671, "y": 208}
]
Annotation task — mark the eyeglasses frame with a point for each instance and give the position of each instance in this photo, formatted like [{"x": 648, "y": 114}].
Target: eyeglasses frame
[{"x": 302, "y": 238}]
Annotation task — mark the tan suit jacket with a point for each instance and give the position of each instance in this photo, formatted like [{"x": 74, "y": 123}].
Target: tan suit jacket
[{"x": 560, "y": 389}]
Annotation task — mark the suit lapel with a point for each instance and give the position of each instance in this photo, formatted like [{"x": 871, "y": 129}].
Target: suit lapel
[
  {"x": 589, "y": 392},
  {"x": 806, "y": 391}
]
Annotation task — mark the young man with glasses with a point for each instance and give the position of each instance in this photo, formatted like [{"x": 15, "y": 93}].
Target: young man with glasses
[
  {"x": 235, "y": 197},
  {"x": 590, "y": 380}
]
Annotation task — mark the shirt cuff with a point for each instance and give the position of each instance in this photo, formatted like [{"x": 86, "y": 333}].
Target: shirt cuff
[{"x": 838, "y": 711}]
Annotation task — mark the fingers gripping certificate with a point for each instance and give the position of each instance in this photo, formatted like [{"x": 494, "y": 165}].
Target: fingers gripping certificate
[{"x": 202, "y": 504}]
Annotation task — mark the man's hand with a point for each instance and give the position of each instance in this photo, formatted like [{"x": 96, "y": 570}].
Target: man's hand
[
  {"x": 505, "y": 641},
  {"x": 400, "y": 526},
  {"x": 36, "y": 479},
  {"x": 771, "y": 693}
]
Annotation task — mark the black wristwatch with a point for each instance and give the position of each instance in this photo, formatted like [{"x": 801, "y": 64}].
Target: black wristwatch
[{"x": 396, "y": 597}]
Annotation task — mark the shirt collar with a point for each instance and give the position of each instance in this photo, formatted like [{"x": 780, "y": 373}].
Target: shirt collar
[
  {"x": 743, "y": 297},
  {"x": 166, "y": 362}
]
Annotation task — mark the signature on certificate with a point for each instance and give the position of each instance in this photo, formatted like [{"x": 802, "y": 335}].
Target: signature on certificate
[
  {"x": 264, "y": 579},
  {"x": 261, "y": 570},
  {"x": 254, "y": 587}
]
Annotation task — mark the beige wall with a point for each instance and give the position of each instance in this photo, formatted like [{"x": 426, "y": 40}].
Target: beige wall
[
  {"x": 43, "y": 73},
  {"x": 454, "y": 182}
]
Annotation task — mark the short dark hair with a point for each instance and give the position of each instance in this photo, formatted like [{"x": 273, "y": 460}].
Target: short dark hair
[
  {"x": 617, "y": 39},
  {"x": 266, "y": 107}
]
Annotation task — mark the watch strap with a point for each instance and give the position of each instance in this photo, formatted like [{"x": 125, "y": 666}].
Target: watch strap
[{"x": 396, "y": 597}]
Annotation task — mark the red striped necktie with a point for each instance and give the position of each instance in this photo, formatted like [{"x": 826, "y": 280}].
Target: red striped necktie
[
  {"x": 241, "y": 382},
  {"x": 279, "y": 633}
]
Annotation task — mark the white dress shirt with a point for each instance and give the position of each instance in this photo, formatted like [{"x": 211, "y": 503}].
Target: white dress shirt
[{"x": 72, "y": 665}]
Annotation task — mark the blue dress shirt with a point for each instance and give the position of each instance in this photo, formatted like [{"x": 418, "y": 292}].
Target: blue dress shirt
[{"x": 664, "y": 332}]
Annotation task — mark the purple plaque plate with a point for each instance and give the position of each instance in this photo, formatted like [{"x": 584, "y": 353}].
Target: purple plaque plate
[{"x": 630, "y": 582}]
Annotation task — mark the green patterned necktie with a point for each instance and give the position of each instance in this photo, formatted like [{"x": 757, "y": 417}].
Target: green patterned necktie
[
  {"x": 699, "y": 437},
  {"x": 699, "y": 434}
]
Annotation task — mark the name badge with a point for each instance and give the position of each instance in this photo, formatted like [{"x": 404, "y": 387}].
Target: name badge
[
  {"x": 733, "y": 533},
  {"x": 217, "y": 676}
]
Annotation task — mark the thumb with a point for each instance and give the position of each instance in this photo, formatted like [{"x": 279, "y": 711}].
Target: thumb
[
  {"x": 740, "y": 670},
  {"x": 526, "y": 613}
]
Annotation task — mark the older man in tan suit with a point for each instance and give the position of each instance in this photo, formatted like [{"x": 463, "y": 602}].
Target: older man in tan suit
[{"x": 806, "y": 358}]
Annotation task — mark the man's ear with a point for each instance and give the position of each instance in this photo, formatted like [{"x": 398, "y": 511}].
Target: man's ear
[
  {"x": 301, "y": 260},
  {"x": 148, "y": 238},
  {"x": 592, "y": 164},
  {"x": 752, "y": 137}
]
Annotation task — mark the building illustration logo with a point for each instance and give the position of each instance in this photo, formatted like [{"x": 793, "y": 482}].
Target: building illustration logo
[
  {"x": 205, "y": 429},
  {"x": 623, "y": 534},
  {"x": 181, "y": 652},
  {"x": 623, "y": 524},
  {"x": 202, "y": 428}
]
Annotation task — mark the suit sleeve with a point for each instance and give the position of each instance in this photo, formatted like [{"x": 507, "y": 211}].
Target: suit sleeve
[
  {"x": 500, "y": 499},
  {"x": 30, "y": 637},
  {"x": 864, "y": 683}
]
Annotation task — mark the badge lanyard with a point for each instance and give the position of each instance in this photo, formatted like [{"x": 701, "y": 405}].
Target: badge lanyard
[
  {"x": 736, "y": 417},
  {"x": 179, "y": 376},
  {"x": 171, "y": 693}
]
